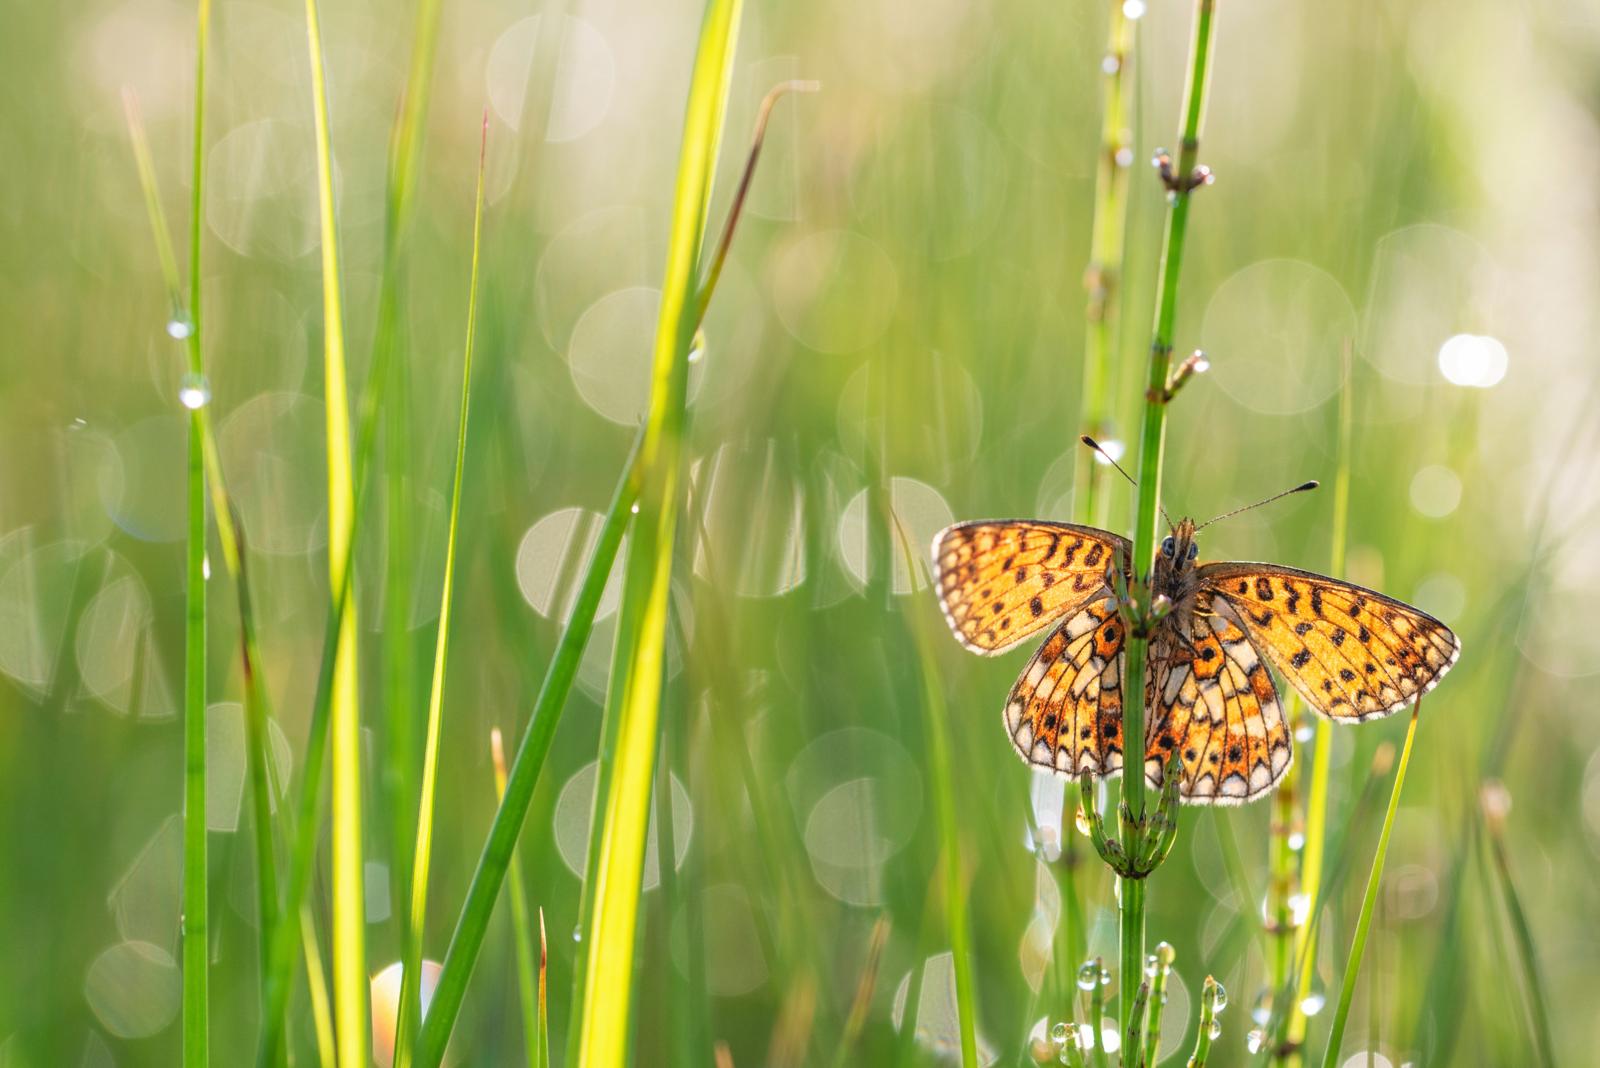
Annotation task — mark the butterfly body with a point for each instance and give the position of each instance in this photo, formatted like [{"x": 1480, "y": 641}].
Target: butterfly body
[{"x": 1211, "y": 702}]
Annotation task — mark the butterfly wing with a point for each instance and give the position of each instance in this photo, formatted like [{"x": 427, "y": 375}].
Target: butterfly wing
[
  {"x": 1001, "y": 581},
  {"x": 1065, "y": 712},
  {"x": 1353, "y": 654},
  {"x": 1216, "y": 705}
]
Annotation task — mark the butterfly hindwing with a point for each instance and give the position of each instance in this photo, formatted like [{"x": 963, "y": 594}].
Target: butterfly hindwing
[
  {"x": 1001, "y": 581},
  {"x": 1353, "y": 654},
  {"x": 1214, "y": 702},
  {"x": 1065, "y": 713}
]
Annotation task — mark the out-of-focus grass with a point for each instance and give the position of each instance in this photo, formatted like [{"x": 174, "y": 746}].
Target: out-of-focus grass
[{"x": 902, "y": 315}]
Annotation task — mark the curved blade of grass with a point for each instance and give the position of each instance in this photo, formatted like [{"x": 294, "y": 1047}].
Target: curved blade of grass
[
  {"x": 1358, "y": 944},
  {"x": 351, "y": 1027},
  {"x": 624, "y": 812},
  {"x": 316, "y": 983},
  {"x": 473, "y": 923},
  {"x": 411, "y": 972}
]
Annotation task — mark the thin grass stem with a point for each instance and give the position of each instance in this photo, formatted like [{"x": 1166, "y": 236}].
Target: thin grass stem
[
  {"x": 1203, "y": 1036},
  {"x": 1316, "y": 818},
  {"x": 1152, "y": 443},
  {"x": 410, "y": 1012},
  {"x": 1358, "y": 944},
  {"x": 196, "y": 904},
  {"x": 530, "y": 968},
  {"x": 351, "y": 1027},
  {"x": 1495, "y": 804},
  {"x": 317, "y": 988}
]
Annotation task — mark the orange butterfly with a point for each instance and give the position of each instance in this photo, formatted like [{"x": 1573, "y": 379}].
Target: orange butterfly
[{"x": 1353, "y": 654}]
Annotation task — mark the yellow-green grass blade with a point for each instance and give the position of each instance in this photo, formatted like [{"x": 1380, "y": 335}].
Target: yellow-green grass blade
[
  {"x": 1369, "y": 901},
  {"x": 196, "y": 906},
  {"x": 351, "y": 1028},
  {"x": 530, "y": 970},
  {"x": 624, "y": 807},
  {"x": 473, "y": 923},
  {"x": 410, "y": 982}
]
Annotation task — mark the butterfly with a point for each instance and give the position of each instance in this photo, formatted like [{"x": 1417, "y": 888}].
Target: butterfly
[{"x": 1352, "y": 653}]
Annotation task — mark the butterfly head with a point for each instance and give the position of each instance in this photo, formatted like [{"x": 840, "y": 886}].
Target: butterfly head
[{"x": 1176, "y": 559}]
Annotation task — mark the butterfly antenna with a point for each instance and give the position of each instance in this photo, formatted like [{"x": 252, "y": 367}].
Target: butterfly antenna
[
  {"x": 1096, "y": 446},
  {"x": 1313, "y": 484}
]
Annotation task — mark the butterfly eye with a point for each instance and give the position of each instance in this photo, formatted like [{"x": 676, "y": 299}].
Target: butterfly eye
[
  {"x": 1194, "y": 549},
  {"x": 1168, "y": 547}
]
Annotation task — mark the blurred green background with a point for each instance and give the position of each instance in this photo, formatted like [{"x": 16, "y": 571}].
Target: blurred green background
[{"x": 903, "y": 307}]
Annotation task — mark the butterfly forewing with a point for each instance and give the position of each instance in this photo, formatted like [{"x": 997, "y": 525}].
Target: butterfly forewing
[
  {"x": 1065, "y": 712},
  {"x": 1350, "y": 652},
  {"x": 1001, "y": 581}
]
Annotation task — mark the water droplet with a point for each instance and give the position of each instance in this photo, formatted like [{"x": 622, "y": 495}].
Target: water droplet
[
  {"x": 1124, "y": 157},
  {"x": 577, "y": 934},
  {"x": 1110, "y": 65},
  {"x": 1088, "y": 975},
  {"x": 195, "y": 393},
  {"x": 1313, "y": 1002},
  {"x": 1058, "y": 1034},
  {"x": 1261, "y": 1011},
  {"x": 697, "y": 348},
  {"x": 1219, "y": 996},
  {"x": 1297, "y": 840},
  {"x": 1080, "y": 820},
  {"x": 1299, "y": 907},
  {"x": 1304, "y": 733},
  {"x": 1215, "y": 1030},
  {"x": 205, "y": 567},
  {"x": 634, "y": 508},
  {"x": 179, "y": 327},
  {"x": 1166, "y": 954},
  {"x": 1151, "y": 966},
  {"x": 1201, "y": 364},
  {"x": 1133, "y": 10},
  {"x": 1256, "y": 1040}
]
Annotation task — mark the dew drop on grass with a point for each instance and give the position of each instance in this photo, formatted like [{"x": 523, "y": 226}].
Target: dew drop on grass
[
  {"x": 1088, "y": 975},
  {"x": 1312, "y": 1003},
  {"x": 1058, "y": 1034},
  {"x": 1219, "y": 997},
  {"x": 1215, "y": 1030},
  {"x": 179, "y": 327},
  {"x": 1256, "y": 1040},
  {"x": 195, "y": 393},
  {"x": 1261, "y": 1011}
]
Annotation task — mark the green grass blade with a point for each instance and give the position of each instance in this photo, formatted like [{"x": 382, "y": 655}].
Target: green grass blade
[
  {"x": 473, "y": 923},
  {"x": 411, "y": 973},
  {"x": 935, "y": 716},
  {"x": 264, "y": 780},
  {"x": 530, "y": 971},
  {"x": 1316, "y": 826},
  {"x": 1369, "y": 902},
  {"x": 400, "y": 721},
  {"x": 624, "y": 812},
  {"x": 196, "y": 906},
  {"x": 1495, "y": 805},
  {"x": 317, "y": 987},
  {"x": 351, "y": 1027}
]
